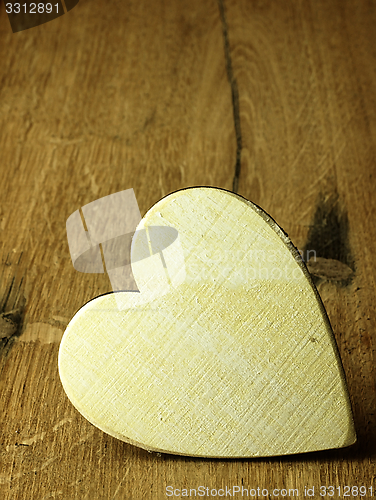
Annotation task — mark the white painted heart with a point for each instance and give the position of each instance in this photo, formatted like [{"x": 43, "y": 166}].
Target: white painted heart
[{"x": 225, "y": 352}]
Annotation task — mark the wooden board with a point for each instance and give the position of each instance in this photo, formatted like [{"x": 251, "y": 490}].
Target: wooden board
[{"x": 109, "y": 97}]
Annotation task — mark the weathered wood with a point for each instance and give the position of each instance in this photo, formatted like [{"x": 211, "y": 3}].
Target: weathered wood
[{"x": 109, "y": 97}]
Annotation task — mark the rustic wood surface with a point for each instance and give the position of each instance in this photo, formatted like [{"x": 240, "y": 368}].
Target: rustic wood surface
[{"x": 159, "y": 96}]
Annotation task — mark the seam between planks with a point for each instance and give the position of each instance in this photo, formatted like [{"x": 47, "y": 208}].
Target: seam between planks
[{"x": 234, "y": 95}]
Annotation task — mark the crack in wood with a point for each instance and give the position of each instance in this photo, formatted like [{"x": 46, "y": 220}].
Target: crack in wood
[
  {"x": 12, "y": 303},
  {"x": 234, "y": 95}
]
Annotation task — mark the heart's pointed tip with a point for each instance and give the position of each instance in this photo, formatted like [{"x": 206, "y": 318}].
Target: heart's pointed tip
[{"x": 351, "y": 437}]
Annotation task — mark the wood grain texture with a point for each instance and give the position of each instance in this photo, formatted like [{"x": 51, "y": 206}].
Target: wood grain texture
[{"x": 117, "y": 94}]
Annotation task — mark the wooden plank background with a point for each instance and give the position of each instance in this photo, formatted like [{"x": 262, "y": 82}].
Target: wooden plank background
[{"x": 159, "y": 96}]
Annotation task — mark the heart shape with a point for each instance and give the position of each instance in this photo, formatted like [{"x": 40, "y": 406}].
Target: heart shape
[{"x": 225, "y": 352}]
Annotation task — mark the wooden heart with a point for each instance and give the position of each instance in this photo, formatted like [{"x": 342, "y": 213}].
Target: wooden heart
[{"x": 226, "y": 351}]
